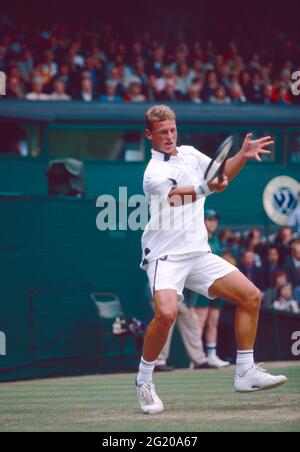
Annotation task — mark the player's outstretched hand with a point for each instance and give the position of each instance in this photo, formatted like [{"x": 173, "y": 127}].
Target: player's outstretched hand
[
  {"x": 253, "y": 148},
  {"x": 219, "y": 185}
]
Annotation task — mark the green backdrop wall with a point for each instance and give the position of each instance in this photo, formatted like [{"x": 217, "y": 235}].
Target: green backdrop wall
[
  {"x": 240, "y": 204},
  {"x": 52, "y": 257}
]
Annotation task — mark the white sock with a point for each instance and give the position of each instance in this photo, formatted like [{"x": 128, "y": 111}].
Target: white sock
[
  {"x": 244, "y": 361},
  {"x": 211, "y": 349},
  {"x": 146, "y": 370}
]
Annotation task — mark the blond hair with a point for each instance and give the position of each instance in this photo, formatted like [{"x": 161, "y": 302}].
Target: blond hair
[{"x": 159, "y": 113}]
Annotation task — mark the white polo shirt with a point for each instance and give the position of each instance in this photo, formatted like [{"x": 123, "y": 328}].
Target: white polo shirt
[{"x": 174, "y": 230}]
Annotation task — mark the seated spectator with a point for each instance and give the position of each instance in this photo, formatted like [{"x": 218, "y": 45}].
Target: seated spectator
[
  {"x": 210, "y": 85},
  {"x": 231, "y": 52},
  {"x": 49, "y": 67},
  {"x": 26, "y": 64},
  {"x": 235, "y": 245},
  {"x": 37, "y": 91},
  {"x": 286, "y": 79},
  {"x": 236, "y": 94},
  {"x": 14, "y": 89},
  {"x": 151, "y": 92},
  {"x": 93, "y": 70},
  {"x": 194, "y": 93},
  {"x": 226, "y": 239},
  {"x": 219, "y": 96},
  {"x": 210, "y": 53},
  {"x": 224, "y": 74},
  {"x": 140, "y": 73},
  {"x": 124, "y": 70},
  {"x": 255, "y": 64},
  {"x": 59, "y": 92},
  {"x": 294, "y": 218},
  {"x": 115, "y": 77},
  {"x": 184, "y": 79},
  {"x": 14, "y": 72},
  {"x": 253, "y": 242},
  {"x": 87, "y": 93},
  {"x": 110, "y": 94},
  {"x": 266, "y": 76},
  {"x": 249, "y": 269},
  {"x": 198, "y": 69},
  {"x": 157, "y": 63},
  {"x": 282, "y": 243},
  {"x": 270, "y": 266},
  {"x": 75, "y": 58},
  {"x": 256, "y": 95},
  {"x": 284, "y": 96},
  {"x": 129, "y": 80},
  {"x": 36, "y": 74},
  {"x": 237, "y": 65},
  {"x": 180, "y": 58},
  {"x": 245, "y": 80},
  {"x": 292, "y": 267},
  {"x": 279, "y": 279},
  {"x": 267, "y": 97},
  {"x": 136, "y": 51},
  {"x": 160, "y": 82},
  {"x": 169, "y": 94},
  {"x": 284, "y": 300},
  {"x": 134, "y": 93},
  {"x": 69, "y": 77}
]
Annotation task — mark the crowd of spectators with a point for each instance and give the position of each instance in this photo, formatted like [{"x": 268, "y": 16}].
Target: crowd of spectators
[
  {"x": 60, "y": 63},
  {"x": 274, "y": 266}
]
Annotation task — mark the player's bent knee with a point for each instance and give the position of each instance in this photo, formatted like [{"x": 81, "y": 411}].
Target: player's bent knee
[{"x": 253, "y": 300}]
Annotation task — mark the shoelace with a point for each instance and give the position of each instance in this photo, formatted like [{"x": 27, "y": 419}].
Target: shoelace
[
  {"x": 259, "y": 368},
  {"x": 256, "y": 367},
  {"x": 146, "y": 394}
]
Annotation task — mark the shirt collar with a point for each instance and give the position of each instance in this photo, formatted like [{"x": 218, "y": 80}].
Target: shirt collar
[{"x": 159, "y": 155}]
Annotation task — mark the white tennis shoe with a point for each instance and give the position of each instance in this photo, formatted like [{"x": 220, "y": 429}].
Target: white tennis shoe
[
  {"x": 216, "y": 363},
  {"x": 149, "y": 401},
  {"x": 257, "y": 379}
]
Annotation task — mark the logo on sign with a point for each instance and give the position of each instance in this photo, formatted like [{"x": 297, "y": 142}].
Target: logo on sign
[
  {"x": 285, "y": 200},
  {"x": 280, "y": 199}
]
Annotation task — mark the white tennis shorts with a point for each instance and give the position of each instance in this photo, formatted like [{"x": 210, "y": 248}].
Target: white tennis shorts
[{"x": 195, "y": 271}]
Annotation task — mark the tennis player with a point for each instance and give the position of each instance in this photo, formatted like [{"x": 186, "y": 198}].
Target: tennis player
[{"x": 175, "y": 256}]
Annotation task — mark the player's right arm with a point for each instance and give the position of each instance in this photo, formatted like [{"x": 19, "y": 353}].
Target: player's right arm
[{"x": 187, "y": 195}]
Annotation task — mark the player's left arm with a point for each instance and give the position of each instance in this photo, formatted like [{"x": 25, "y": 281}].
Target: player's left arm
[{"x": 251, "y": 149}]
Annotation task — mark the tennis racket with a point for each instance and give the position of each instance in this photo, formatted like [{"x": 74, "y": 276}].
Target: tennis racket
[{"x": 217, "y": 165}]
